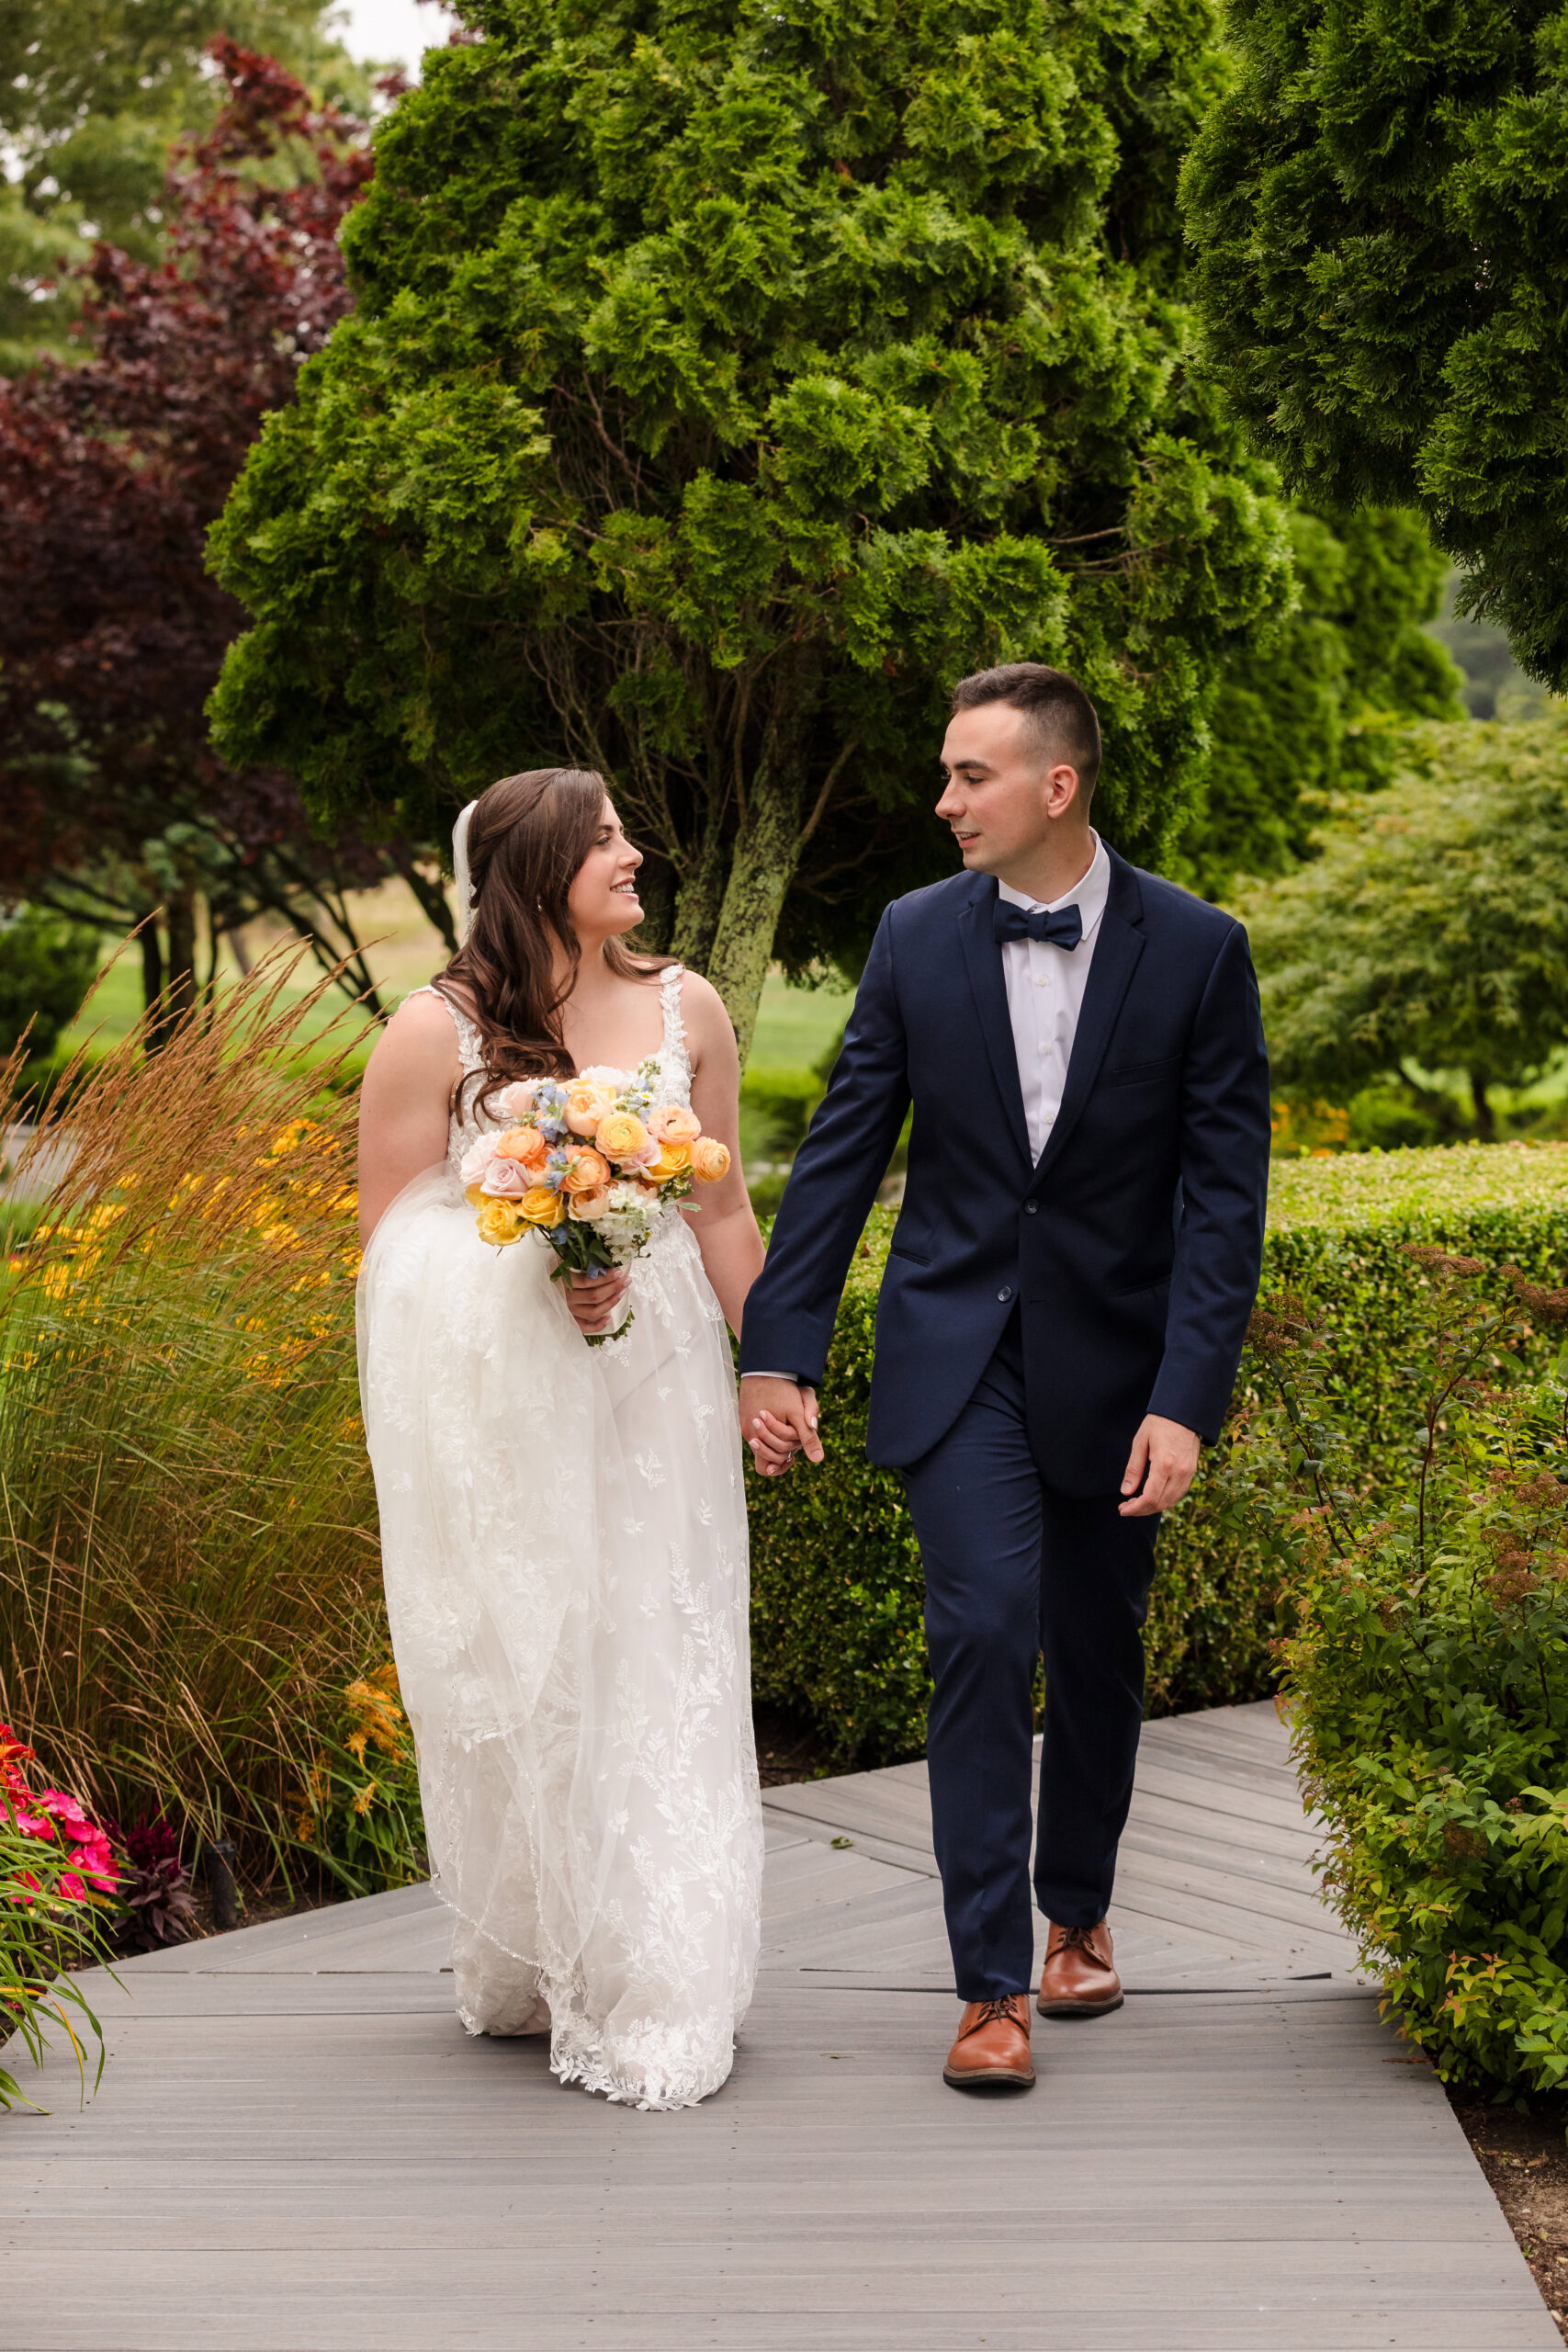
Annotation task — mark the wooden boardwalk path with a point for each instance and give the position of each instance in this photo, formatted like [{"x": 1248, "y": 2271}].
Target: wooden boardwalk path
[{"x": 297, "y": 2149}]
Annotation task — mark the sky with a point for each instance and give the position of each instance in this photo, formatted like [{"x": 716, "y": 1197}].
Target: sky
[{"x": 396, "y": 29}]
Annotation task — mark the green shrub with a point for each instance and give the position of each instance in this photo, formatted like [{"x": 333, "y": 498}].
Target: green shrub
[
  {"x": 782, "y": 1100},
  {"x": 46, "y": 966},
  {"x": 836, "y": 1593},
  {"x": 1428, "y": 1667}
]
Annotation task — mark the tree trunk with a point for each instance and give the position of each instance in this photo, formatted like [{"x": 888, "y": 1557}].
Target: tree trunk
[
  {"x": 699, "y": 902},
  {"x": 1486, "y": 1123},
  {"x": 766, "y": 850},
  {"x": 656, "y": 889},
  {"x": 181, "y": 921},
  {"x": 152, "y": 965}
]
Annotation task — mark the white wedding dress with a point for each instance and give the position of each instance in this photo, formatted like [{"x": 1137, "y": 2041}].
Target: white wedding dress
[{"x": 563, "y": 1534}]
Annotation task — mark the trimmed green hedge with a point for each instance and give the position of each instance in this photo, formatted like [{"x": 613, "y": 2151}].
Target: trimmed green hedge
[{"x": 836, "y": 1587}]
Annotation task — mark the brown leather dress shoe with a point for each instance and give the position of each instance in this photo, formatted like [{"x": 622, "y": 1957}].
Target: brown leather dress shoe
[
  {"x": 991, "y": 2052},
  {"x": 1079, "y": 1977}
]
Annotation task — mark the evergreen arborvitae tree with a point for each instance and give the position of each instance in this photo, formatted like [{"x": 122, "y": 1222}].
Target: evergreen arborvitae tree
[
  {"x": 1380, "y": 210},
  {"x": 727, "y": 377},
  {"x": 1324, "y": 706}
]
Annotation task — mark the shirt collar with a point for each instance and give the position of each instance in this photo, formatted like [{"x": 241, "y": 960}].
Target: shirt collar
[{"x": 1088, "y": 896}]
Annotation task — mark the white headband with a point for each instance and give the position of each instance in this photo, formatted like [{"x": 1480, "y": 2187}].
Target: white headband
[{"x": 460, "y": 872}]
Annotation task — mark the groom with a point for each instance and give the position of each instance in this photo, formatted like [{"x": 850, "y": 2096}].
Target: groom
[{"x": 1061, "y": 1318}]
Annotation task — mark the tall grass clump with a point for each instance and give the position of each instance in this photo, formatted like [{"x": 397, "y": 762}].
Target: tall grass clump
[{"x": 189, "y": 1565}]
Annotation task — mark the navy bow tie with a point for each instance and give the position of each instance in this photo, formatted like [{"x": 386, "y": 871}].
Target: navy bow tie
[{"x": 1062, "y": 928}]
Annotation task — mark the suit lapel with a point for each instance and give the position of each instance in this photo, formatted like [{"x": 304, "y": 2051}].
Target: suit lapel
[
  {"x": 984, "y": 959},
  {"x": 1117, "y": 947}
]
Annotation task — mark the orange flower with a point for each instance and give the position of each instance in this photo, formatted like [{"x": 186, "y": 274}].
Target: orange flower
[
  {"x": 588, "y": 1102},
  {"x": 673, "y": 1123},
  {"x": 621, "y": 1135},
  {"x": 539, "y": 1206},
  {"x": 525, "y": 1143},
  {"x": 673, "y": 1160},
  {"x": 710, "y": 1161},
  {"x": 588, "y": 1171},
  {"x": 584, "y": 1206},
  {"x": 501, "y": 1222}
]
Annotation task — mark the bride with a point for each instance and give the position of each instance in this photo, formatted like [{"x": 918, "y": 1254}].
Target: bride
[{"x": 563, "y": 1527}]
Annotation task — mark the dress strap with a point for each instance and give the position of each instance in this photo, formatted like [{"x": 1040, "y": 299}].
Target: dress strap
[
  {"x": 673, "y": 1052},
  {"x": 469, "y": 1050}
]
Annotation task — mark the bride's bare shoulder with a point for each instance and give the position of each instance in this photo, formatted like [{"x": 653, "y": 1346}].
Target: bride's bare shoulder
[
  {"x": 709, "y": 1030},
  {"x": 420, "y": 1033}
]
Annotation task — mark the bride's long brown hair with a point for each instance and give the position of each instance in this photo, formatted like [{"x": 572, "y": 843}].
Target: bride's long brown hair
[{"x": 527, "y": 837}]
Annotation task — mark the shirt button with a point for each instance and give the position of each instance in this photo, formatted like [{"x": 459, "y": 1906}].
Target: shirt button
[
  {"x": 1032, "y": 1208},
  {"x": 1004, "y": 1293}
]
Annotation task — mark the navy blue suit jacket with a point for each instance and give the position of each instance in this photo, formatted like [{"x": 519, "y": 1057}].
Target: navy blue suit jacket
[{"x": 1133, "y": 1246}]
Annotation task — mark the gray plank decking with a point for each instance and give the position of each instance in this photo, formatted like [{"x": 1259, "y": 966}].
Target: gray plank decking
[{"x": 297, "y": 2149}]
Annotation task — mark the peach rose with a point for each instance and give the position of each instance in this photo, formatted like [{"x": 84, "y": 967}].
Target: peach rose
[
  {"x": 539, "y": 1206},
  {"x": 710, "y": 1159},
  {"x": 673, "y": 1123},
  {"x": 525, "y": 1143},
  {"x": 673, "y": 1160},
  {"x": 584, "y": 1206},
  {"x": 622, "y": 1136},
  {"x": 515, "y": 1102},
  {"x": 587, "y": 1171},
  {"x": 505, "y": 1179},
  {"x": 588, "y": 1104},
  {"x": 500, "y": 1223}
]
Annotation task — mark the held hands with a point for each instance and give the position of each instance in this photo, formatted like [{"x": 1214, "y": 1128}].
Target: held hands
[
  {"x": 778, "y": 1420},
  {"x": 591, "y": 1299},
  {"x": 1163, "y": 1463}
]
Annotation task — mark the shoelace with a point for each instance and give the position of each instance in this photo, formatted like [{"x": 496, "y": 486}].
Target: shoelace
[{"x": 998, "y": 2008}]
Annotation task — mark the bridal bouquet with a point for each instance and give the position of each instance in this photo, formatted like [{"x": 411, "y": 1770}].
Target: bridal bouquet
[{"x": 587, "y": 1165}]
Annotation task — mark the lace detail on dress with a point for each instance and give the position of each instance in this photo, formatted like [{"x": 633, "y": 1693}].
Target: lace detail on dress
[{"x": 564, "y": 1543}]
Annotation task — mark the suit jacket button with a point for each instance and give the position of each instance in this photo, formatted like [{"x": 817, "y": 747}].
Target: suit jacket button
[
  {"x": 1005, "y": 1291},
  {"x": 1032, "y": 1208}
]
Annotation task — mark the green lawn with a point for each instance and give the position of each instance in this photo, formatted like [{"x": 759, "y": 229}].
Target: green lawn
[{"x": 796, "y": 1027}]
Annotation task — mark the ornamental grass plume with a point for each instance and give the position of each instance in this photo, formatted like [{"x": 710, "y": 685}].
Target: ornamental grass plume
[{"x": 188, "y": 1566}]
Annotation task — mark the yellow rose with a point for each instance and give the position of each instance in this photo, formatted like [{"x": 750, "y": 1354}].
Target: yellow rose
[
  {"x": 475, "y": 1197},
  {"x": 588, "y": 1104},
  {"x": 588, "y": 1171},
  {"x": 673, "y": 1123},
  {"x": 674, "y": 1158},
  {"x": 500, "y": 1223},
  {"x": 710, "y": 1161},
  {"x": 621, "y": 1134},
  {"x": 539, "y": 1206}
]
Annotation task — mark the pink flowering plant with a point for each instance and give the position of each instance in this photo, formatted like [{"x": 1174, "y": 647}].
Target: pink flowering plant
[{"x": 58, "y": 1882}]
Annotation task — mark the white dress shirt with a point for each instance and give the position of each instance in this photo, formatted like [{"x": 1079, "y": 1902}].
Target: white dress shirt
[{"x": 1045, "y": 990}]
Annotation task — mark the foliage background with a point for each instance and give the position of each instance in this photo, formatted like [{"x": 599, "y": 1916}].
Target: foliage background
[
  {"x": 1379, "y": 203},
  {"x": 723, "y": 383}
]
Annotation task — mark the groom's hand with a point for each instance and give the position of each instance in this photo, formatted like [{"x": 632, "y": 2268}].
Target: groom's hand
[
  {"x": 778, "y": 1420},
  {"x": 1161, "y": 1467}
]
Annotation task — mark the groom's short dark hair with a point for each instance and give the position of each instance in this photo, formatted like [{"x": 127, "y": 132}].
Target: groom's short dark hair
[{"x": 1065, "y": 719}]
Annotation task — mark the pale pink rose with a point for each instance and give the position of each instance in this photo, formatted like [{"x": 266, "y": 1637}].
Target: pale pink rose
[
  {"x": 476, "y": 1159},
  {"x": 515, "y": 1102},
  {"x": 505, "y": 1179}
]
